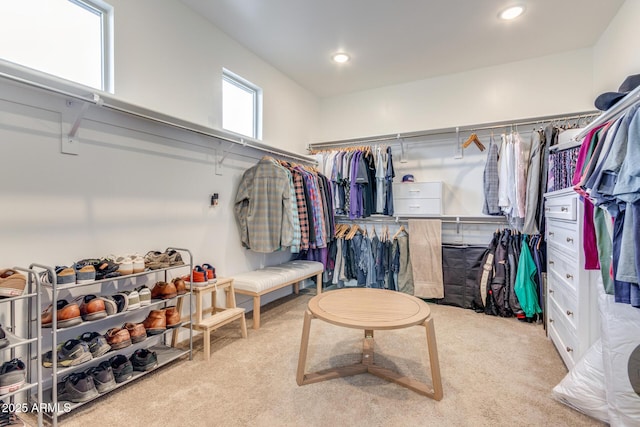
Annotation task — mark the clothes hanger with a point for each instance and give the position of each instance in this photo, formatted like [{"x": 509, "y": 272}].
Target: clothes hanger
[
  {"x": 353, "y": 231},
  {"x": 400, "y": 230},
  {"x": 474, "y": 138}
]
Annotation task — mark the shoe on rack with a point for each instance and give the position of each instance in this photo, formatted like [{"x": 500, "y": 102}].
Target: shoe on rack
[
  {"x": 64, "y": 276},
  {"x": 156, "y": 322},
  {"x": 164, "y": 290},
  {"x": 211, "y": 273},
  {"x": 77, "y": 387},
  {"x": 118, "y": 338},
  {"x": 12, "y": 376},
  {"x": 91, "y": 307},
  {"x": 110, "y": 304},
  {"x": 4, "y": 341},
  {"x": 84, "y": 273},
  {"x": 125, "y": 264},
  {"x": 12, "y": 283},
  {"x": 107, "y": 269},
  {"x": 68, "y": 314},
  {"x": 122, "y": 301},
  {"x": 174, "y": 257},
  {"x": 155, "y": 260},
  {"x": 122, "y": 368},
  {"x": 138, "y": 263},
  {"x": 103, "y": 377},
  {"x": 137, "y": 332},
  {"x": 97, "y": 343},
  {"x": 9, "y": 417},
  {"x": 172, "y": 317},
  {"x": 133, "y": 300},
  {"x": 145, "y": 295},
  {"x": 144, "y": 360},
  {"x": 181, "y": 287},
  {"x": 73, "y": 352}
]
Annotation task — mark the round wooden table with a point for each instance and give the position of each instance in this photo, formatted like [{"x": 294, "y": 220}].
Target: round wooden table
[{"x": 370, "y": 309}]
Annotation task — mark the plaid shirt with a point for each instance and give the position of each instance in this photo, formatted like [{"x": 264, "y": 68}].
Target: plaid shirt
[{"x": 298, "y": 183}]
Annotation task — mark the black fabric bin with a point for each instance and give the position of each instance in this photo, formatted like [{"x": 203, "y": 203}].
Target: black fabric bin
[{"x": 461, "y": 267}]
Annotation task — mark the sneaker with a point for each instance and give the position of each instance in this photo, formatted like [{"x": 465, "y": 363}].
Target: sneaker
[
  {"x": 64, "y": 276},
  {"x": 137, "y": 332},
  {"x": 133, "y": 300},
  {"x": 91, "y": 307},
  {"x": 74, "y": 352},
  {"x": 103, "y": 377},
  {"x": 125, "y": 264},
  {"x": 211, "y": 272},
  {"x": 145, "y": 295},
  {"x": 144, "y": 360},
  {"x": 107, "y": 269},
  {"x": 97, "y": 343},
  {"x": 67, "y": 315},
  {"x": 8, "y": 416},
  {"x": 12, "y": 283},
  {"x": 84, "y": 273},
  {"x": 4, "y": 341},
  {"x": 77, "y": 387},
  {"x": 110, "y": 304},
  {"x": 138, "y": 263},
  {"x": 122, "y": 368},
  {"x": 155, "y": 260},
  {"x": 12, "y": 376},
  {"x": 199, "y": 277},
  {"x": 121, "y": 300},
  {"x": 118, "y": 338},
  {"x": 174, "y": 257}
]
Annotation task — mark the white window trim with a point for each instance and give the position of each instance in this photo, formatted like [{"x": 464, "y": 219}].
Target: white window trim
[
  {"x": 106, "y": 12},
  {"x": 242, "y": 83}
]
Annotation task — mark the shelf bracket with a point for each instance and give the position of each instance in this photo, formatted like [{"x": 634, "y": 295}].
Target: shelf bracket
[
  {"x": 221, "y": 155},
  {"x": 70, "y": 140},
  {"x": 458, "y": 153}
]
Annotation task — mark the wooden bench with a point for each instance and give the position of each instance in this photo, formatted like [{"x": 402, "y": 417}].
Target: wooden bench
[
  {"x": 260, "y": 282},
  {"x": 218, "y": 316}
]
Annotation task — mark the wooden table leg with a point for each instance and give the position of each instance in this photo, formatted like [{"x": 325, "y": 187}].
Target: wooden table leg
[
  {"x": 436, "y": 379},
  {"x": 304, "y": 345}
]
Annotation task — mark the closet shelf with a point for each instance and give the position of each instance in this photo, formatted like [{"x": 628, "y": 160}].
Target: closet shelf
[{"x": 92, "y": 96}]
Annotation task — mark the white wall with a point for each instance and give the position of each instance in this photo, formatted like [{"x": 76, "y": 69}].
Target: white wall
[
  {"x": 169, "y": 59},
  {"x": 554, "y": 84},
  {"x": 617, "y": 53}
]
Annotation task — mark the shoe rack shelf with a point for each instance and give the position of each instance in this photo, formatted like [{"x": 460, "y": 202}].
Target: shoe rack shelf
[
  {"x": 159, "y": 343},
  {"x": 24, "y": 344}
]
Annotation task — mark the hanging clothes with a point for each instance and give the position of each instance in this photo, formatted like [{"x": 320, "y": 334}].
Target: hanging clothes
[
  {"x": 491, "y": 181},
  {"x": 401, "y": 263},
  {"x": 426, "y": 257},
  {"x": 525, "y": 287}
]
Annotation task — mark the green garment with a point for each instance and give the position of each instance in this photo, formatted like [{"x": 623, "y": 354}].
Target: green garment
[
  {"x": 602, "y": 221},
  {"x": 525, "y": 286}
]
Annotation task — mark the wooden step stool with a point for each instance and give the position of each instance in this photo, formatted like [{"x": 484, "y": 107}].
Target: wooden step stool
[{"x": 218, "y": 316}]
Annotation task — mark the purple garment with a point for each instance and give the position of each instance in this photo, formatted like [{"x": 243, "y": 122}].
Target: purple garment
[{"x": 355, "y": 197}]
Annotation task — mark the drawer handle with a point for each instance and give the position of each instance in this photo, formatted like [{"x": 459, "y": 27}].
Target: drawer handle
[
  {"x": 569, "y": 313},
  {"x": 551, "y": 262},
  {"x": 569, "y": 240},
  {"x": 547, "y": 209},
  {"x": 414, "y": 206},
  {"x": 569, "y": 276},
  {"x": 569, "y": 349},
  {"x": 551, "y": 233},
  {"x": 550, "y": 320},
  {"x": 551, "y": 291},
  {"x": 563, "y": 209},
  {"x": 414, "y": 191}
]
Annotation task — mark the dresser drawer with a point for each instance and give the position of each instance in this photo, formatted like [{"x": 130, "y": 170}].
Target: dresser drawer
[
  {"x": 564, "y": 300},
  {"x": 563, "y": 339},
  {"x": 562, "y": 207},
  {"x": 564, "y": 236},
  {"x": 565, "y": 270},
  {"x": 417, "y": 190},
  {"x": 417, "y": 206}
]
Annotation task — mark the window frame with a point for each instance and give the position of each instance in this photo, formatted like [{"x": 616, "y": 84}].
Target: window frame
[{"x": 256, "y": 93}]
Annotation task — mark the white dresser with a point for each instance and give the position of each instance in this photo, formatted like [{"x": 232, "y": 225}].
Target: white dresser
[
  {"x": 571, "y": 310},
  {"x": 417, "y": 198}
]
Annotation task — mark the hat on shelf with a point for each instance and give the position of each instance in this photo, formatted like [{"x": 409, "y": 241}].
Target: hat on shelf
[
  {"x": 609, "y": 99},
  {"x": 408, "y": 178}
]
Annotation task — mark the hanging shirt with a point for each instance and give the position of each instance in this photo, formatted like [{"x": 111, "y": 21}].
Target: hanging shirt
[
  {"x": 380, "y": 186},
  {"x": 491, "y": 181}
]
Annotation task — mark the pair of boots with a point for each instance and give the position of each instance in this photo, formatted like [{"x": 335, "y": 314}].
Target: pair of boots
[{"x": 159, "y": 320}]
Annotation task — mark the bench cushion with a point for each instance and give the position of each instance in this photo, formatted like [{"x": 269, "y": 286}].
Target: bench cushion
[{"x": 270, "y": 277}]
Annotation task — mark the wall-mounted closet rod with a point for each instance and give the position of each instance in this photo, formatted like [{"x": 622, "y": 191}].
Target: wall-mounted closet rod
[
  {"x": 446, "y": 131},
  {"x": 103, "y": 99},
  {"x": 444, "y": 218},
  {"x": 612, "y": 113}
]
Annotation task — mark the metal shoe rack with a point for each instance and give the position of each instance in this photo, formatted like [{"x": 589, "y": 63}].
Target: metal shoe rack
[
  {"x": 24, "y": 342},
  {"x": 53, "y": 377}
]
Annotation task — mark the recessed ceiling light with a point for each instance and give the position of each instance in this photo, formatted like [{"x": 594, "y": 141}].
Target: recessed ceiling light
[
  {"x": 511, "y": 12},
  {"x": 340, "y": 58}
]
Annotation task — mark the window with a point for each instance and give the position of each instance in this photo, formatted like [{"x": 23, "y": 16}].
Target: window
[
  {"x": 71, "y": 39},
  {"x": 241, "y": 106}
]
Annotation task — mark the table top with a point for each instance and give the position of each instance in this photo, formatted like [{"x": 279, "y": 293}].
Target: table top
[{"x": 368, "y": 308}]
